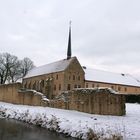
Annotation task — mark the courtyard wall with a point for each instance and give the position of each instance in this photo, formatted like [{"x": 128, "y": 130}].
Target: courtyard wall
[
  {"x": 92, "y": 101},
  {"x": 11, "y": 93}
]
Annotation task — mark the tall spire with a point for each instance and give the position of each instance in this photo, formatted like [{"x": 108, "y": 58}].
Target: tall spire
[{"x": 69, "y": 43}]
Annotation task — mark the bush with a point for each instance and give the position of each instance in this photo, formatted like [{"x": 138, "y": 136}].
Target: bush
[{"x": 132, "y": 98}]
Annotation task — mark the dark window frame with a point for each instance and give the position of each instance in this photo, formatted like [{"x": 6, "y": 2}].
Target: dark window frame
[{"x": 69, "y": 87}]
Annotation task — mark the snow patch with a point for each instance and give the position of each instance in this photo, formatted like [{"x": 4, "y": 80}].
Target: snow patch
[{"x": 77, "y": 124}]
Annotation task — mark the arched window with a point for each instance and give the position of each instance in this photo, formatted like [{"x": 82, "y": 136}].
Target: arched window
[
  {"x": 37, "y": 85},
  {"x": 41, "y": 83},
  {"x": 34, "y": 85},
  {"x": 29, "y": 85},
  {"x": 25, "y": 85}
]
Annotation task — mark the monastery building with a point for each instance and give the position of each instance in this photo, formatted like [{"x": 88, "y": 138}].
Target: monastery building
[{"x": 66, "y": 74}]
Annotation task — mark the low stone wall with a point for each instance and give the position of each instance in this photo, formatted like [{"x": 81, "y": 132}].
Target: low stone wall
[
  {"x": 29, "y": 98},
  {"x": 97, "y": 102},
  {"x": 11, "y": 93},
  {"x": 92, "y": 101}
]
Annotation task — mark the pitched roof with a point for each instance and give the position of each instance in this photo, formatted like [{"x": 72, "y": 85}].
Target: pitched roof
[
  {"x": 110, "y": 77},
  {"x": 50, "y": 68}
]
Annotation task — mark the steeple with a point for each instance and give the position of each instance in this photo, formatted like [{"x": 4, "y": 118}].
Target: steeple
[{"x": 69, "y": 43}]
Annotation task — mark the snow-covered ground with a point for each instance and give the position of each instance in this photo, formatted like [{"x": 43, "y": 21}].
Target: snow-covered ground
[{"x": 78, "y": 124}]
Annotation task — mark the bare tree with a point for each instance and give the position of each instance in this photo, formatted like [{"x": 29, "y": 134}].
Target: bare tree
[
  {"x": 26, "y": 65},
  {"x": 14, "y": 72},
  {"x": 2, "y": 69},
  {"x": 7, "y": 62},
  {"x": 12, "y": 69}
]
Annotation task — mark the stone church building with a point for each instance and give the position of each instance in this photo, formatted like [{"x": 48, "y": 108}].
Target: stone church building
[{"x": 66, "y": 74}]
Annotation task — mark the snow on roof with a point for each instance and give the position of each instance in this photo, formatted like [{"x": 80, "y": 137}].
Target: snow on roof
[
  {"x": 49, "y": 68},
  {"x": 110, "y": 77}
]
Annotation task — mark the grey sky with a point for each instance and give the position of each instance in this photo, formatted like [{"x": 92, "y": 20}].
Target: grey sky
[{"x": 105, "y": 33}]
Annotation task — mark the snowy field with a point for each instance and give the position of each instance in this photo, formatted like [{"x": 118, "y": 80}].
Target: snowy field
[{"x": 78, "y": 124}]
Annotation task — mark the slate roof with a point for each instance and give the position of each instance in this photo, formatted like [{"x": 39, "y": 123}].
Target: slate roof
[
  {"x": 50, "y": 68},
  {"x": 110, "y": 77}
]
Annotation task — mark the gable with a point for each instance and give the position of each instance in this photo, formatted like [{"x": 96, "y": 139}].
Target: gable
[
  {"x": 75, "y": 65},
  {"x": 57, "y": 66}
]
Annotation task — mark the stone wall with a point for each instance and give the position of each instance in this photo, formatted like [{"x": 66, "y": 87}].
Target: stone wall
[
  {"x": 94, "y": 101},
  {"x": 97, "y": 101},
  {"x": 11, "y": 93}
]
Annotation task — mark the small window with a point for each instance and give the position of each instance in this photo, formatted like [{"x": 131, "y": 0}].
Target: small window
[
  {"x": 59, "y": 86},
  {"x": 57, "y": 77},
  {"x": 93, "y": 85},
  {"x": 97, "y": 85},
  {"x": 87, "y": 85},
  {"x": 79, "y": 78},
  {"x": 75, "y": 86},
  {"x": 112, "y": 87},
  {"x": 119, "y": 88},
  {"x": 79, "y": 86},
  {"x": 54, "y": 87},
  {"x": 125, "y": 89},
  {"x": 69, "y": 77},
  {"x": 68, "y": 88},
  {"x": 73, "y": 77}
]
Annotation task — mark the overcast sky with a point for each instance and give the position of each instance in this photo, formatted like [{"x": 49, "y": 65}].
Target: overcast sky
[{"x": 105, "y": 33}]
